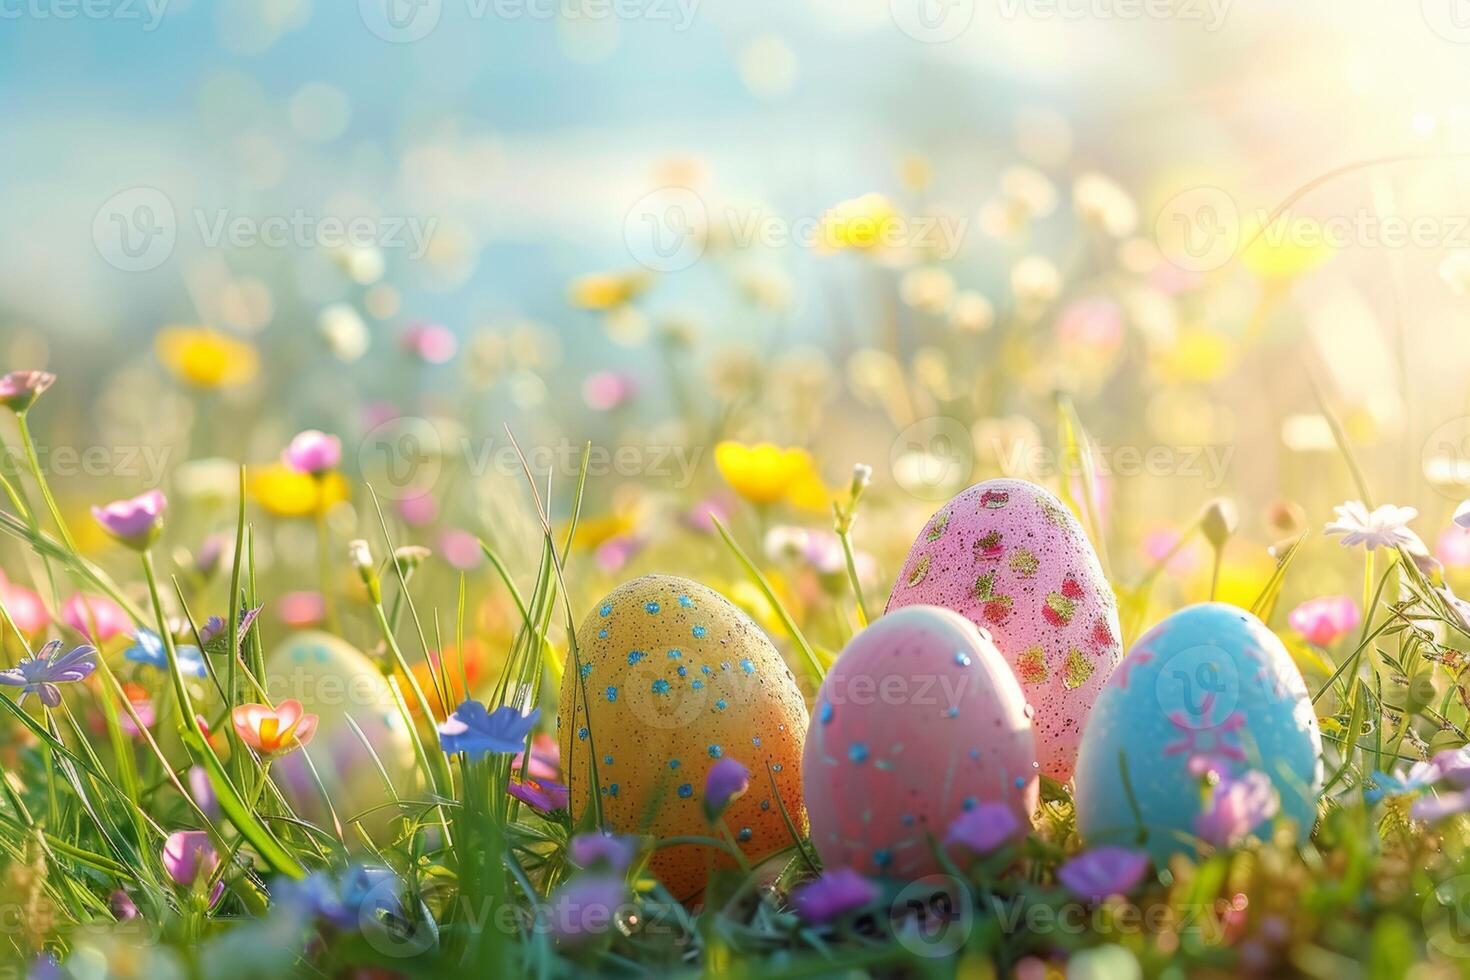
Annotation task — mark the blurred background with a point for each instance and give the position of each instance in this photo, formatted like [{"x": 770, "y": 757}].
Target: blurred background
[{"x": 883, "y": 231}]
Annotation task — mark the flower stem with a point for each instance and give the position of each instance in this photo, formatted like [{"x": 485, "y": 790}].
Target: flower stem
[
  {"x": 324, "y": 560},
  {"x": 39, "y": 474}
]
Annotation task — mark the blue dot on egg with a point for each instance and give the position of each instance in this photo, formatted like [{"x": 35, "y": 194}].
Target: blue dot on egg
[
  {"x": 675, "y": 654},
  {"x": 755, "y": 740},
  {"x": 699, "y": 632},
  {"x": 686, "y": 602},
  {"x": 722, "y": 704},
  {"x": 824, "y": 713},
  {"x": 612, "y": 693},
  {"x": 686, "y": 791},
  {"x": 744, "y": 835},
  {"x": 661, "y": 686},
  {"x": 674, "y": 763},
  {"x": 747, "y": 666},
  {"x": 969, "y": 803},
  {"x": 602, "y": 633},
  {"x": 634, "y": 656},
  {"x": 652, "y": 608},
  {"x": 607, "y": 760},
  {"x": 585, "y": 670},
  {"x": 715, "y": 751},
  {"x": 962, "y": 658},
  {"x": 582, "y": 733},
  {"x": 605, "y": 610},
  {"x": 953, "y": 712},
  {"x": 858, "y": 752},
  {"x": 698, "y": 685},
  {"x": 683, "y": 671},
  {"x": 882, "y": 857}
]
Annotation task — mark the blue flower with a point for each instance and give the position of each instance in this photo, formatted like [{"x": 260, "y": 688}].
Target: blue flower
[
  {"x": 148, "y": 649},
  {"x": 474, "y": 730},
  {"x": 40, "y": 674},
  {"x": 357, "y": 898}
]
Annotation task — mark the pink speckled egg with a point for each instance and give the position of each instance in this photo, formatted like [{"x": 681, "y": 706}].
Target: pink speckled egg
[
  {"x": 918, "y": 721},
  {"x": 1007, "y": 555}
]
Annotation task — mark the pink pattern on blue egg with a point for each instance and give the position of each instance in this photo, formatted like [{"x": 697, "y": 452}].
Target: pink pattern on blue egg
[
  {"x": 918, "y": 721},
  {"x": 1010, "y": 557}
]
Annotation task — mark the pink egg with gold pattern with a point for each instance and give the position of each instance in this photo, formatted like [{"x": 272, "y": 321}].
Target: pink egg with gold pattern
[
  {"x": 918, "y": 721},
  {"x": 1011, "y": 558}
]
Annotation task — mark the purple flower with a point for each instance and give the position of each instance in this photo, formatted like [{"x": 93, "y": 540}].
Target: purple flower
[
  {"x": 313, "y": 452},
  {"x": 544, "y": 794},
  {"x": 20, "y": 389},
  {"x": 213, "y": 630},
  {"x": 122, "y": 906},
  {"x": 984, "y": 828},
  {"x": 135, "y": 522},
  {"x": 1236, "y": 807},
  {"x": 474, "y": 730},
  {"x": 614, "y": 851},
  {"x": 727, "y": 780},
  {"x": 348, "y": 902},
  {"x": 190, "y": 859},
  {"x": 1104, "y": 871},
  {"x": 1435, "y": 808},
  {"x": 202, "y": 791},
  {"x": 40, "y": 674},
  {"x": 584, "y": 908},
  {"x": 833, "y": 895}
]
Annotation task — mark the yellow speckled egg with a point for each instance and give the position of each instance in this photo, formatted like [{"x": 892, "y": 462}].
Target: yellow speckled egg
[
  {"x": 671, "y": 678},
  {"x": 334, "y": 680}
]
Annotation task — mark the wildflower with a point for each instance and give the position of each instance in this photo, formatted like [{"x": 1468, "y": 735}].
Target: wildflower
[
  {"x": 613, "y": 851},
  {"x": 1103, "y": 871},
  {"x": 275, "y": 731},
  {"x": 190, "y": 859},
  {"x": 26, "y": 608},
  {"x": 202, "y": 790},
  {"x": 361, "y": 556},
  {"x": 764, "y": 473},
  {"x": 860, "y": 223},
  {"x": 285, "y": 492},
  {"x": 1325, "y": 620},
  {"x": 1419, "y": 776},
  {"x": 583, "y": 909},
  {"x": 607, "y": 290},
  {"x": 148, "y": 648},
  {"x": 461, "y": 550},
  {"x": 135, "y": 522},
  {"x": 545, "y": 759},
  {"x": 474, "y": 730},
  {"x": 1434, "y": 808},
  {"x": 544, "y": 794},
  {"x": 418, "y": 510},
  {"x": 1236, "y": 807},
  {"x": 211, "y": 634},
  {"x": 40, "y": 674},
  {"x": 432, "y": 343},
  {"x": 142, "y": 706},
  {"x": 20, "y": 389},
  {"x": 1280, "y": 251},
  {"x": 604, "y": 391},
  {"x": 1385, "y": 527},
  {"x": 360, "y": 895},
  {"x": 302, "y": 609},
  {"x": 835, "y": 894},
  {"x": 727, "y": 781},
  {"x": 1453, "y": 547},
  {"x": 122, "y": 906},
  {"x": 206, "y": 358},
  {"x": 971, "y": 312},
  {"x": 702, "y": 516},
  {"x": 313, "y": 452},
  {"x": 1102, "y": 202},
  {"x": 983, "y": 828},
  {"x": 616, "y": 552}
]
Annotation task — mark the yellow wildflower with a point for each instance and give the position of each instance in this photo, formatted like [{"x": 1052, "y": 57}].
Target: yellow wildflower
[
  {"x": 766, "y": 473},
  {"x": 1286, "y": 248},
  {"x": 607, "y": 290},
  {"x": 206, "y": 358},
  {"x": 862, "y": 223},
  {"x": 284, "y": 492}
]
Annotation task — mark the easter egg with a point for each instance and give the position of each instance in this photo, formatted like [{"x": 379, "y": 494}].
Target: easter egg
[
  {"x": 1209, "y": 689},
  {"x": 918, "y": 721},
  {"x": 671, "y": 677},
  {"x": 1008, "y": 556},
  {"x": 336, "y": 682}
]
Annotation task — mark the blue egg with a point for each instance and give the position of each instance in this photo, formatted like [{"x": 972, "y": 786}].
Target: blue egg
[{"x": 1208, "y": 690}]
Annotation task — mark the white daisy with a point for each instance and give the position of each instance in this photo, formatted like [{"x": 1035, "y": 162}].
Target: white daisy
[{"x": 1385, "y": 527}]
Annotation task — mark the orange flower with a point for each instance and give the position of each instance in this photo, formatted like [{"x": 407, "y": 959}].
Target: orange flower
[{"x": 273, "y": 732}]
